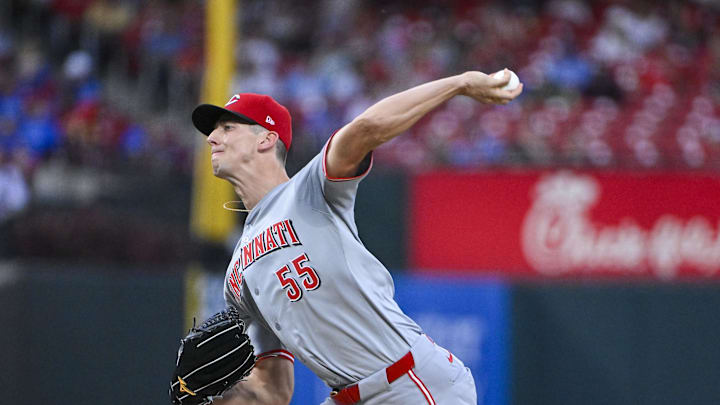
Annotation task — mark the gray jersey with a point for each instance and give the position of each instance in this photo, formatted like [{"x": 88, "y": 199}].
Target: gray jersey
[{"x": 310, "y": 288}]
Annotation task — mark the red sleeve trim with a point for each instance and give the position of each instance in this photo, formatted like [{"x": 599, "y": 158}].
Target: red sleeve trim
[
  {"x": 325, "y": 148},
  {"x": 283, "y": 354}
]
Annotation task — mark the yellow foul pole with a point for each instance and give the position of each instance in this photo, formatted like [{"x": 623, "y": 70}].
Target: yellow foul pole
[{"x": 209, "y": 220}]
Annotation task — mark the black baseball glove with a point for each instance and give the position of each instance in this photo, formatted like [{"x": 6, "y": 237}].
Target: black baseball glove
[{"x": 211, "y": 359}]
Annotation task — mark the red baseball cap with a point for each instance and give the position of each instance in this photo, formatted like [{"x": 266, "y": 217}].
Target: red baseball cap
[{"x": 249, "y": 108}]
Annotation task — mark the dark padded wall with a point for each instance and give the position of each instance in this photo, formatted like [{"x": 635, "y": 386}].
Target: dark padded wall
[
  {"x": 380, "y": 215},
  {"x": 92, "y": 337},
  {"x": 616, "y": 344}
]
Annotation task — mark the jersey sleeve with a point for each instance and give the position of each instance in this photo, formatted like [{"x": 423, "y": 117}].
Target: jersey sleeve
[
  {"x": 338, "y": 192},
  {"x": 266, "y": 344}
]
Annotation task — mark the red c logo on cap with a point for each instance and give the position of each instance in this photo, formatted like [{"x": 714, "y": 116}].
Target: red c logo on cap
[{"x": 232, "y": 99}]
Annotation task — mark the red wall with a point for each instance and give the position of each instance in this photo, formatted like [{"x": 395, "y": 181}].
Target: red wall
[{"x": 567, "y": 223}]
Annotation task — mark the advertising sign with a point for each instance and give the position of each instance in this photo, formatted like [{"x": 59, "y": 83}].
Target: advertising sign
[
  {"x": 469, "y": 317},
  {"x": 565, "y": 223}
]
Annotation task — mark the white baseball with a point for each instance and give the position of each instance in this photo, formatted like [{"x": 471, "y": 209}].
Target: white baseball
[{"x": 514, "y": 80}]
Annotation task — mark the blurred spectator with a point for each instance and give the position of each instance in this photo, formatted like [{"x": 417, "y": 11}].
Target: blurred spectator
[
  {"x": 14, "y": 193},
  {"x": 39, "y": 129},
  {"x": 66, "y": 25},
  {"x": 79, "y": 83},
  {"x": 10, "y": 111},
  {"x": 134, "y": 140},
  {"x": 83, "y": 146},
  {"x": 570, "y": 70},
  {"x": 574, "y": 11},
  {"x": 105, "y": 21},
  {"x": 33, "y": 72},
  {"x": 160, "y": 41},
  {"x": 627, "y": 34}
]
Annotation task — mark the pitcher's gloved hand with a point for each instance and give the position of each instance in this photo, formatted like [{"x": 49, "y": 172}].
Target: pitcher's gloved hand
[{"x": 212, "y": 358}]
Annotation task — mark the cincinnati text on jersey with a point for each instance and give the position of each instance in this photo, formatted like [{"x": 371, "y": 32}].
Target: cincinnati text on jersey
[{"x": 276, "y": 236}]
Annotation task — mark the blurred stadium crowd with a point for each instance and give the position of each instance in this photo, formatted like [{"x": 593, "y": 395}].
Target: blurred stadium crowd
[{"x": 109, "y": 84}]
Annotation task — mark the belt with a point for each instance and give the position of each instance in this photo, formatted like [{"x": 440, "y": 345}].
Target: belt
[{"x": 351, "y": 394}]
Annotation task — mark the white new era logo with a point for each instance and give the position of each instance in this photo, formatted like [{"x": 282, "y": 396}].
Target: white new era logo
[
  {"x": 233, "y": 99},
  {"x": 269, "y": 120}
]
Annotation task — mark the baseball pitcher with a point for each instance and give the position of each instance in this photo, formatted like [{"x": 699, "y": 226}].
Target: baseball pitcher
[{"x": 301, "y": 280}]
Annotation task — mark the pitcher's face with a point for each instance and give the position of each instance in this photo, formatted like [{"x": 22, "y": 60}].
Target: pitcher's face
[{"x": 231, "y": 145}]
